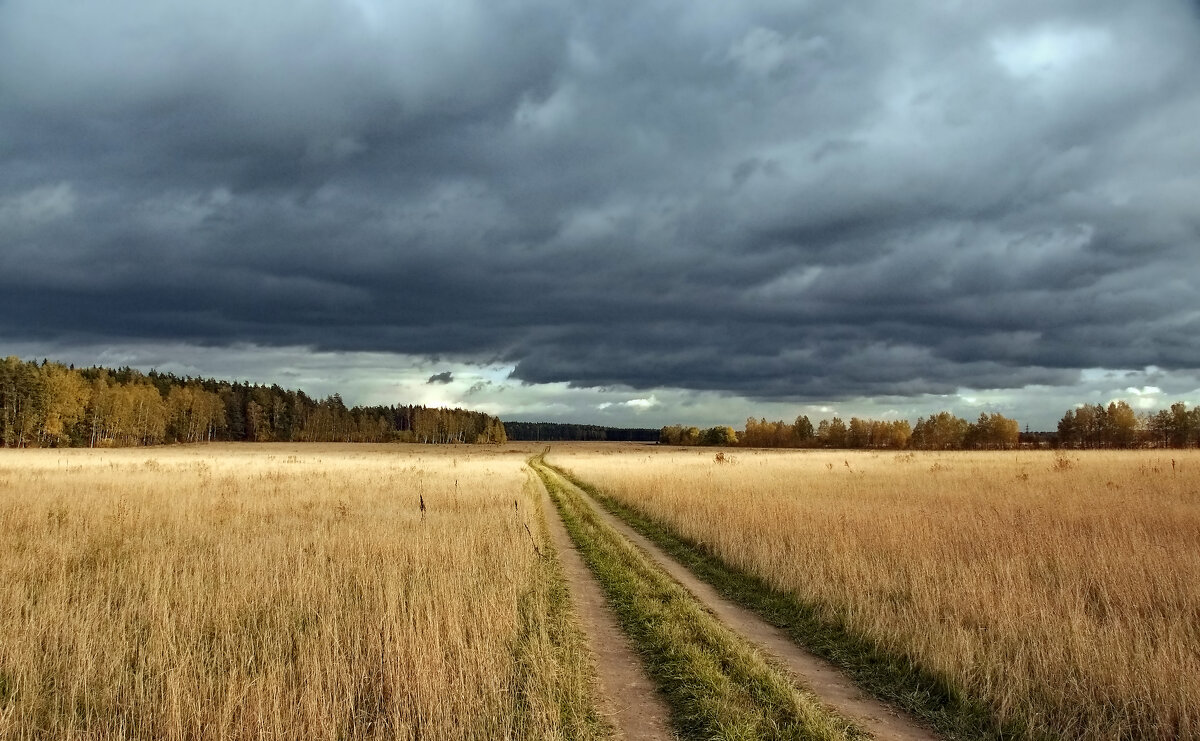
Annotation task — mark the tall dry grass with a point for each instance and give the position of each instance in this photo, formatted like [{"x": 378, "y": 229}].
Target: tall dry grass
[
  {"x": 279, "y": 591},
  {"x": 1063, "y": 590}
]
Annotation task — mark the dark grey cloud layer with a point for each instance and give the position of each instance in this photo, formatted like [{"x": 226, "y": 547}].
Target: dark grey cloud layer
[{"x": 779, "y": 200}]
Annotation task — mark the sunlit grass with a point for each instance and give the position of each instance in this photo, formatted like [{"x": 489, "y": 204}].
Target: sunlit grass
[{"x": 282, "y": 592}]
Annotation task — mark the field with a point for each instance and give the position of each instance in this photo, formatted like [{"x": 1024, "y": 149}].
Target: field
[
  {"x": 1060, "y": 589},
  {"x": 300, "y": 591},
  {"x": 274, "y": 591}
]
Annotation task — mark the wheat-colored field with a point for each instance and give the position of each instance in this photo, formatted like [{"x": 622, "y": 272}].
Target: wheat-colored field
[
  {"x": 1062, "y": 589},
  {"x": 275, "y": 591}
]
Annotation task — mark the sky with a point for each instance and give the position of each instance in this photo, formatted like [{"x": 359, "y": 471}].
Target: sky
[{"x": 625, "y": 213}]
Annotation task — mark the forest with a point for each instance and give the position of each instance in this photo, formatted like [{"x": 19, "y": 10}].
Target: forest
[
  {"x": 942, "y": 431},
  {"x": 1119, "y": 426},
  {"x": 1084, "y": 426},
  {"x": 52, "y": 405}
]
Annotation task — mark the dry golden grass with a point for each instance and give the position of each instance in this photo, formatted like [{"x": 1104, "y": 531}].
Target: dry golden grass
[
  {"x": 1064, "y": 590},
  {"x": 278, "y": 591}
]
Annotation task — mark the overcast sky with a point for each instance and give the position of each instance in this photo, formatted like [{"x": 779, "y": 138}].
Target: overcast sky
[{"x": 616, "y": 212}]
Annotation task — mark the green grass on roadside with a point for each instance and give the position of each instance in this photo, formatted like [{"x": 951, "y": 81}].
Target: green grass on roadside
[
  {"x": 717, "y": 685},
  {"x": 892, "y": 678}
]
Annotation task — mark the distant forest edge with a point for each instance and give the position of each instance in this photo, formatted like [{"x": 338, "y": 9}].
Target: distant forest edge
[
  {"x": 49, "y": 404},
  {"x": 1084, "y": 427},
  {"x": 561, "y": 432}
]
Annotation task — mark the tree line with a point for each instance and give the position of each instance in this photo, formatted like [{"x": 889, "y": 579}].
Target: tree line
[
  {"x": 1116, "y": 425},
  {"x": 52, "y": 405},
  {"x": 1119, "y": 426},
  {"x": 558, "y": 431},
  {"x": 942, "y": 431}
]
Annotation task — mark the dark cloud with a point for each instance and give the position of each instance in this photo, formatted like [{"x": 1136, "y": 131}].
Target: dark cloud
[
  {"x": 779, "y": 201},
  {"x": 443, "y": 377}
]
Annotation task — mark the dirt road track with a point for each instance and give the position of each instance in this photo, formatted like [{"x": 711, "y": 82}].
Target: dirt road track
[
  {"x": 822, "y": 678},
  {"x": 630, "y": 699}
]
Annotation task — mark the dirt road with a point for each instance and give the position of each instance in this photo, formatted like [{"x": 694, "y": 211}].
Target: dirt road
[
  {"x": 630, "y": 699},
  {"x": 824, "y": 679}
]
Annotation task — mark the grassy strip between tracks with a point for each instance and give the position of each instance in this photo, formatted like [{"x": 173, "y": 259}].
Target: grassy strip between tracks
[
  {"x": 716, "y": 684},
  {"x": 894, "y": 679}
]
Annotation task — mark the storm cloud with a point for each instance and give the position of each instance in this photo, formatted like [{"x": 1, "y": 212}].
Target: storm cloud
[{"x": 778, "y": 201}]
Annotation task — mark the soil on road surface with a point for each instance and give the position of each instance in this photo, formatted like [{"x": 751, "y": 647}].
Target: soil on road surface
[{"x": 630, "y": 700}]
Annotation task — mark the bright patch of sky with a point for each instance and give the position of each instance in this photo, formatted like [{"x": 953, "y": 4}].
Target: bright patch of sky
[{"x": 1049, "y": 51}]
